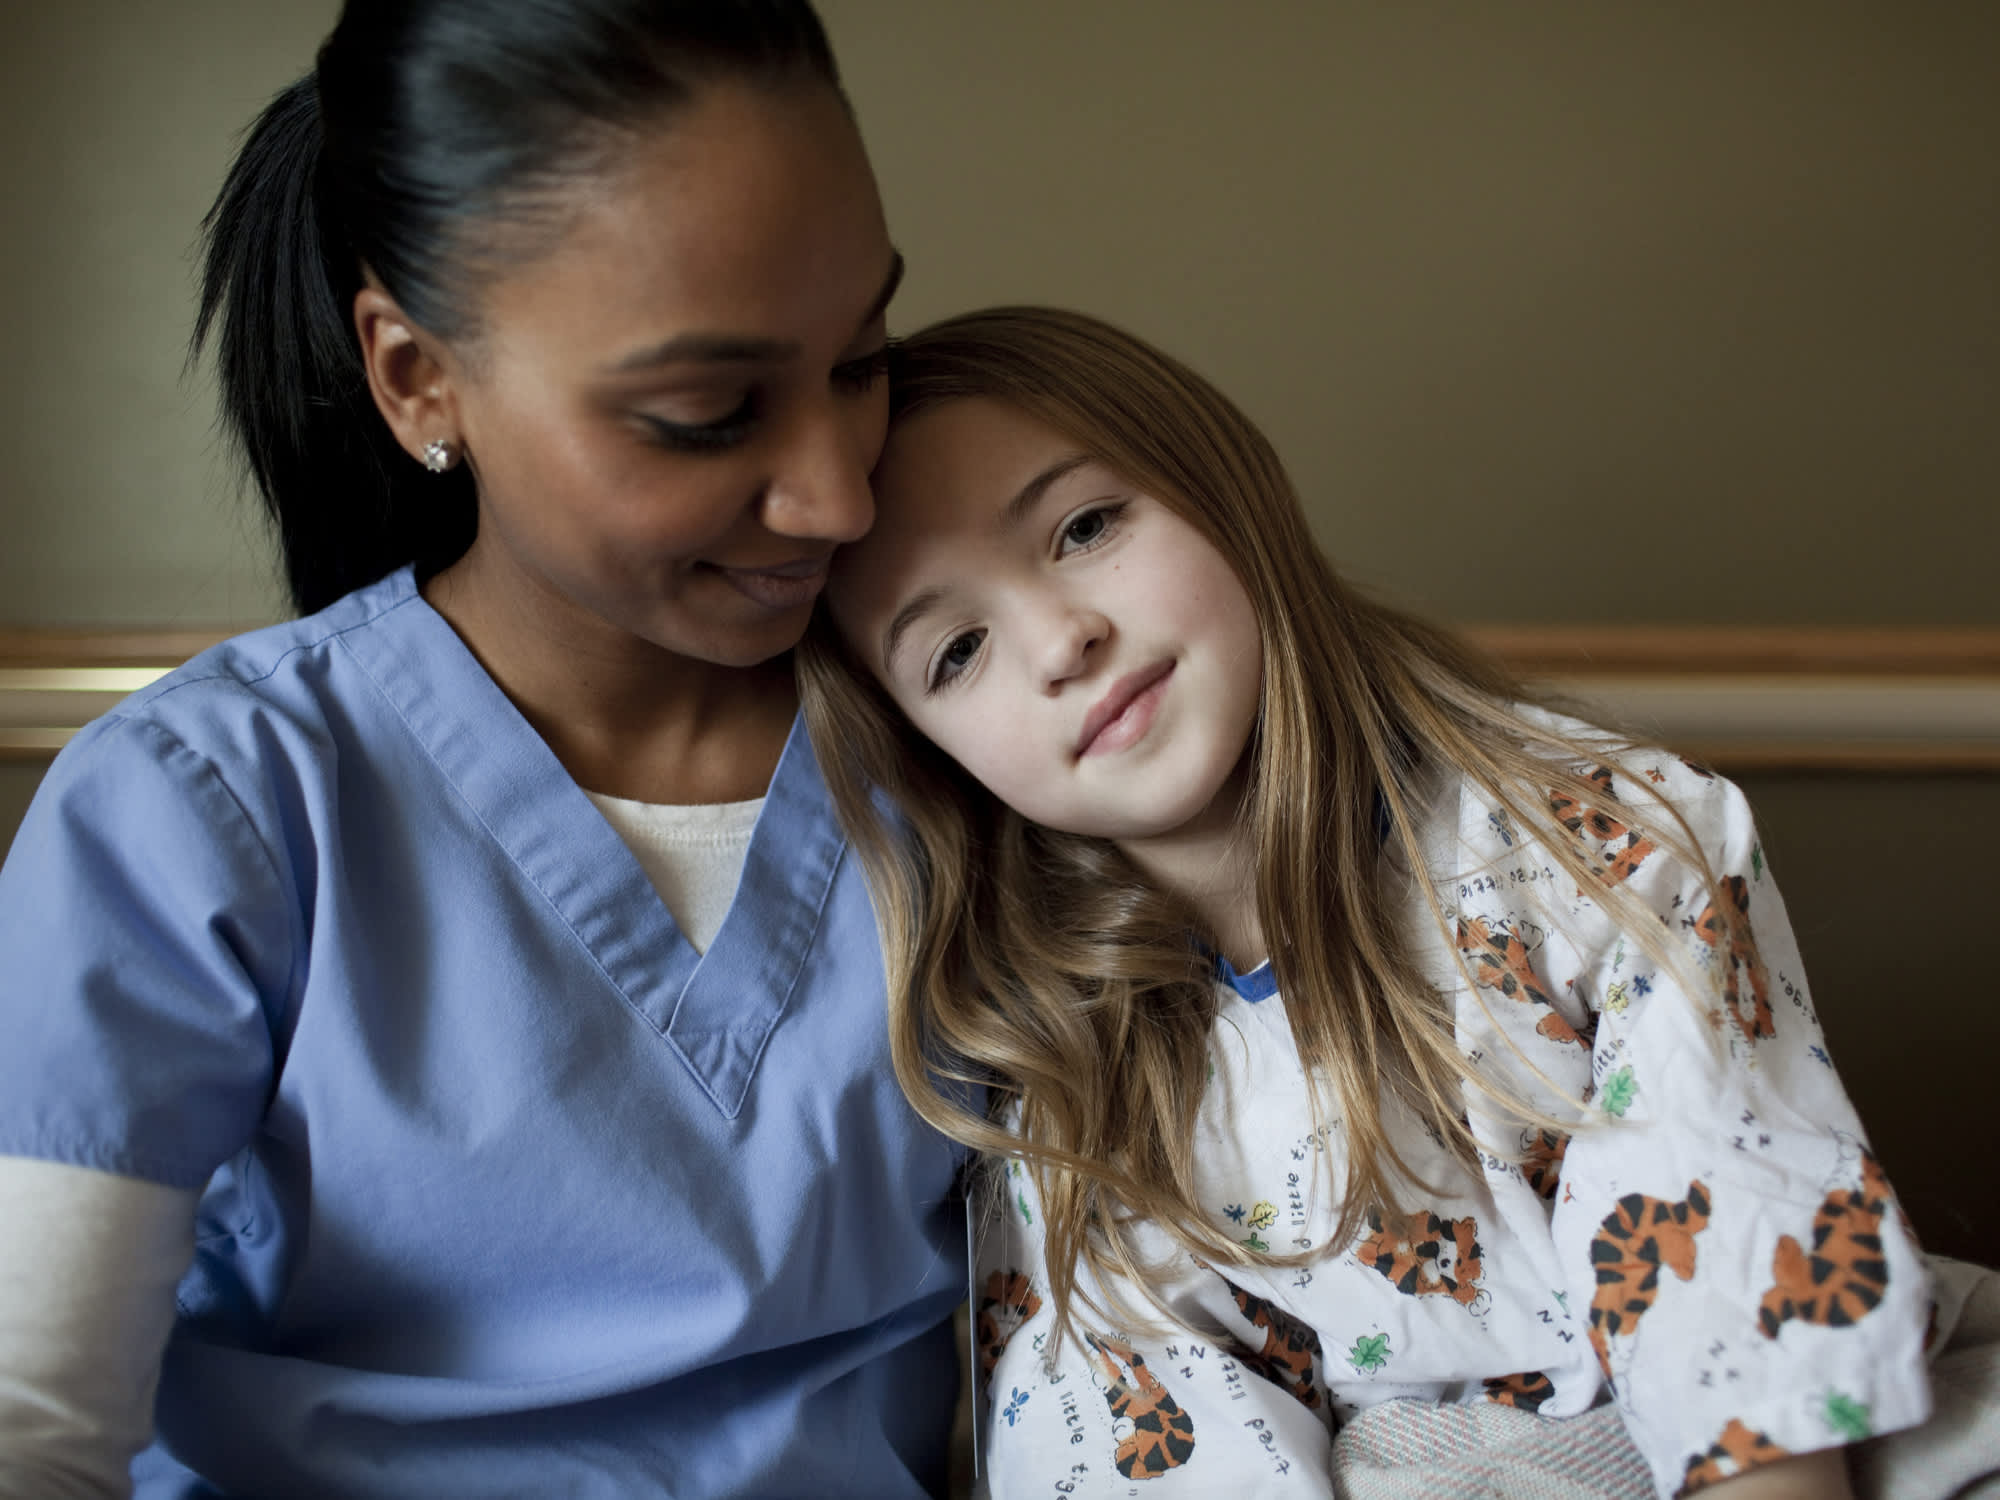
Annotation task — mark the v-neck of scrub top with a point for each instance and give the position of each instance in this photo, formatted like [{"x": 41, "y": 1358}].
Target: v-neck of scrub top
[{"x": 716, "y": 1010}]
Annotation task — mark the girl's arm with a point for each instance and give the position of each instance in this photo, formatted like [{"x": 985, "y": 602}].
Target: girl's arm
[
  {"x": 1736, "y": 1257},
  {"x": 1813, "y": 1476},
  {"x": 88, "y": 1267}
]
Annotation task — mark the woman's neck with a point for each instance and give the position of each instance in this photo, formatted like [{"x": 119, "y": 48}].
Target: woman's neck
[{"x": 625, "y": 717}]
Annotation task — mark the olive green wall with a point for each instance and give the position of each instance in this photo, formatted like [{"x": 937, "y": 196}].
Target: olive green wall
[
  {"x": 1563, "y": 311},
  {"x": 1567, "y": 310}
]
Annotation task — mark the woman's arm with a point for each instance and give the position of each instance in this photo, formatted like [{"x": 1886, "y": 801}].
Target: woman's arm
[{"x": 88, "y": 1266}]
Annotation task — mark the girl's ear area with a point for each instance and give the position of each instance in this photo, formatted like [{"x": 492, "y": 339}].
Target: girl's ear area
[{"x": 407, "y": 374}]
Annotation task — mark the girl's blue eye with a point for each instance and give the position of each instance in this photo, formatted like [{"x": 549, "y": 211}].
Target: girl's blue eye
[
  {"x": 1086, "y": 530},
  {"x": 955, "y": 658},
  {"x": 857, "y": 375}
]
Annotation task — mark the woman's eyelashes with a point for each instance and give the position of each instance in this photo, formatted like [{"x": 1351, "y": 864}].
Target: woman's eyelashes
[
  {"x": 705, "y": 437},
  {"x": 852, "y": 377},
  {"x": 950, "y": 664}
]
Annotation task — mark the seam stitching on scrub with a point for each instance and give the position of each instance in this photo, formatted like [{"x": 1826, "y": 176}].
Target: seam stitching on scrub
[
  {"x": 331, "y": 637},
  {"x": 791, "y": 987},
  {"x": 91, "y": 1156}
]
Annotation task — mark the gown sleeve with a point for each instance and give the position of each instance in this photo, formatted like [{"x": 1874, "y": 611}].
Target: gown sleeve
[
  {"x": 1731, "y": 1246},
  {"x": 1192, "y": 1405}
]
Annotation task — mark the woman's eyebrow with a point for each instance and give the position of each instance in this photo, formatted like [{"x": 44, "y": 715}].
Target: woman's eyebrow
[
  {"x": 888, "y": 293},
  {"x": 732, "y": 348},
  {"x": 708, "y": 349}
]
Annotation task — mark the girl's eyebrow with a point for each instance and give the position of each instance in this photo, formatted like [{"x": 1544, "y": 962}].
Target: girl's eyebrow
[
  {"x": 925, "y": 600},
  {"x": 921, "y": 604},
  {"x": 1035, "y": 488}
]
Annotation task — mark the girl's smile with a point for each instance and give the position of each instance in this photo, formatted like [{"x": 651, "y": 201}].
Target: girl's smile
[
  {"x": 1123, "y": 715},
  {"x": 1070, "y": 640}
]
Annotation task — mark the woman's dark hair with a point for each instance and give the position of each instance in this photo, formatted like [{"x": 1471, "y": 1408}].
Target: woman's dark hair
[{"x": 430, "y": 144}]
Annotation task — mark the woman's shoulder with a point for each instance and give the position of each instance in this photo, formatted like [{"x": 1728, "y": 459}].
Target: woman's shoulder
[
  {"x": 271, "y": 693},
  {"x": 262, "y": 720}
]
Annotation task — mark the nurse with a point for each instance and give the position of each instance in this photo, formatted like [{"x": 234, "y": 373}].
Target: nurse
[{"x": 444, "y": 1048}]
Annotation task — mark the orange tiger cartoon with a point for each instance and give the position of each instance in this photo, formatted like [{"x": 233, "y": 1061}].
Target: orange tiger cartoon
[
  {"x": 1842, "y": 1278},
  {"x": 1637, "y": 1238},
  {"x": 1499, "y": 961},
  {"x": 1542, "y": 1158},
  {"x": 1527, "y": 1390},
  {"x": 1008, "y": 1302},
  {"x": 1290, "y": 1347},
  {"x": 1737, "y": 1451},
  {"x": 1154, "y": 1435},
  {"x": 1422, "y": 1255},
  {"x": 1733, "y": 942},
  {"x": 1620, "y": 848}
]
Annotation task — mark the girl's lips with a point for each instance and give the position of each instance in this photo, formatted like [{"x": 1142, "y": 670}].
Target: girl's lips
[
  {"x": 1123, "y": 715},
  {"x": 786, "y": 586}
]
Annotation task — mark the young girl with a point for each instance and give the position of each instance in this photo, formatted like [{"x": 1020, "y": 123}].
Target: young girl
[{"x": 1390, "y": 1035}]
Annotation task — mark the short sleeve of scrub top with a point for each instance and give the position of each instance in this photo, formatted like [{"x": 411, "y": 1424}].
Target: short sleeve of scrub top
[{"x": 505, "y": 1188}]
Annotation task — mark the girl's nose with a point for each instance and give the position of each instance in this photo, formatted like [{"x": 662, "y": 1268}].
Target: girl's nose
[
  {"x": 1070, "y": 637},
  {"x": 820, "y": 488}
]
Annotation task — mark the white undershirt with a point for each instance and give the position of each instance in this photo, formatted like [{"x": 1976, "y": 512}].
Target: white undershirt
[
  {"x": 693, "y": 854},
  {"x": 89, "y": 1261}
]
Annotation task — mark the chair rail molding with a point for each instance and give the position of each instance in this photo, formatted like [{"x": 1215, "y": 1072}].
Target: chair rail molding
[{"x": 1765, "y": 698}]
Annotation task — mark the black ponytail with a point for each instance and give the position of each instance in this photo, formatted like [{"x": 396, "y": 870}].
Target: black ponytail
[{"x": 427, "y": 128}]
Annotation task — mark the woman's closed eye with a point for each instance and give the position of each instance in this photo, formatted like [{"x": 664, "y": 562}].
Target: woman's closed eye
[
  {"x": 705, "y": 437},
  {"x": 852, "y": 377},
  {"x": 959, "y": 653},
  {"x": 1089, "y": 528}
]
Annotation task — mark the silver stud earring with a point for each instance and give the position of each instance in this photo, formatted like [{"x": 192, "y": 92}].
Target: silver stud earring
[{"x": 438, "y": 455}]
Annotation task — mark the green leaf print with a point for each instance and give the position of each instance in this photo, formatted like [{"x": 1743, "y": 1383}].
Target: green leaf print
[
  {"x": 1021, "y": 1202},
  {"x": 1846, "y": 1416},
  {"x": 1757, "y": 862},
  {"x": 1620, "y": 1089},
  {"x": 1369, "y": 1354},
  {"x": 1256, "y": 1244}
]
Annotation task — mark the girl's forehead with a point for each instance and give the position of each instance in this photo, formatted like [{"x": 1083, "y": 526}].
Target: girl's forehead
[{"x": 965, "y": 462}]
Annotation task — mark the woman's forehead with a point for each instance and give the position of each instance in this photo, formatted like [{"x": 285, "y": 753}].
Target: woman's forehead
[{"x": 752, "y": 212}]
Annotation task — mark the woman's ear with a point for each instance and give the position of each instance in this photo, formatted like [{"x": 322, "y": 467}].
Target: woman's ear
[{"x": 408, "y": 377}]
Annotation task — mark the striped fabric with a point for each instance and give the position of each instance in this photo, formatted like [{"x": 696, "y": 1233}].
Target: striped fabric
[{"x": 1418, "y": 1450}]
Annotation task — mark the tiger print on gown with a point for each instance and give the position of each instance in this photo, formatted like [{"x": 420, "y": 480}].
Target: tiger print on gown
[{"x": 1636, "y": 1239}]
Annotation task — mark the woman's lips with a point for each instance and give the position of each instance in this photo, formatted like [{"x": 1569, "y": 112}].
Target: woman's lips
[
  {"x": 1123, "y": 715},
  {"x": 784, "y": 586}
]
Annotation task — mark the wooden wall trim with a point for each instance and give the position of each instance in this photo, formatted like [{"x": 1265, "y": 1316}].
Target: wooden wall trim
[
  {"x": 1729, "y": 650},
  {"x": 1768, "y": 698}
]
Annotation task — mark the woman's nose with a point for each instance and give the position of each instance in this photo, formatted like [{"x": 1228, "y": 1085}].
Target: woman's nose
[{"x": 819, "y": 490}]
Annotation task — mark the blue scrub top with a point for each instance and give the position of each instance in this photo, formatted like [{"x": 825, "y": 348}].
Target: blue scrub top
[{"x": 507, "y": 1191}]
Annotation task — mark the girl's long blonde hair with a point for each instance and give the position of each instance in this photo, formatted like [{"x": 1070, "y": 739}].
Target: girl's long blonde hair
[{"x": 1044, "y": 968}]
